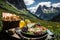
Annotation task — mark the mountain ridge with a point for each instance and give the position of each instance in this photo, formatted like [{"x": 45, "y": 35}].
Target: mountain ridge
[{"x": 47, "y": 13}]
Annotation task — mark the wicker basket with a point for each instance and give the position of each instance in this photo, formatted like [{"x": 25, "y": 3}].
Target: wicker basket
[{"x": 10, "y": 24}]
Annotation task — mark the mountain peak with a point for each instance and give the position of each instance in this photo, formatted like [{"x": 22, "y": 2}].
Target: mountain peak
[{"x": 47, "y": 13}]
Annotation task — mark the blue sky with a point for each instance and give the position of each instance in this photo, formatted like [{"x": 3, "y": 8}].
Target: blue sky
[
  {"x": 32, "y": 5},
  {"x": 38, "y": 1}
]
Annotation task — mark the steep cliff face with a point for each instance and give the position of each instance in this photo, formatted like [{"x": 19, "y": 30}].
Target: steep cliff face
[
  {"x": 18, "y": 4},
  {"x": 56, "y": 18}
]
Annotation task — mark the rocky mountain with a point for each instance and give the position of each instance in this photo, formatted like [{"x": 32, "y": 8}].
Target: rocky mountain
[
  {"x": 47, "y": 13},
  {"x": 56, "y": 18},
  {"x": 39, "y": 11},
  {"x": 17, "y": 3}
]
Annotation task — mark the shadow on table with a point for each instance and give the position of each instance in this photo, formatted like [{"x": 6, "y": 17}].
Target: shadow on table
[{"x": 5, "y": 36}]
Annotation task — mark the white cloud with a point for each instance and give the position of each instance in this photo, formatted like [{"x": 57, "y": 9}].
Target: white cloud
[
  {"x": 56, "y": 4},
  {"x": 29, "y": 2},
  {"x": 32, "y": 9},
  {"x": 48, "y": 4}
]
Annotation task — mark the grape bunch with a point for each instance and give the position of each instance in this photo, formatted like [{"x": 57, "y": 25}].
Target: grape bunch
[{"x": 25, "y": 29}]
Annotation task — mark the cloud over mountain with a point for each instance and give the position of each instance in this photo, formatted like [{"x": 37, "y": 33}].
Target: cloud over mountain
[
  {"x": 56, "y": 4},
  {"x": 48, "y": 4},
  {"x": 29, "y": 2}
]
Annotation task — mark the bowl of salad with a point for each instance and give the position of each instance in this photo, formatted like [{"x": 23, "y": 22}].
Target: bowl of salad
[{"x": 34, "y": 30}]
